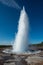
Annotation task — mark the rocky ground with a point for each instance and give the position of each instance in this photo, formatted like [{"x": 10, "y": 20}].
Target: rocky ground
[{"x": 21, "y": 59}]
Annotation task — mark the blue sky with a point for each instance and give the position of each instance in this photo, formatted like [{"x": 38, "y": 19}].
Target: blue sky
[{"x": 9, "y": 17}]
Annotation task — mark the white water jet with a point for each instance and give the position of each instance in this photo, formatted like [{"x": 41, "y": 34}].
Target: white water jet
[
  {"x": 21, "y": 39},
  {"x": 20, "y": 45}
]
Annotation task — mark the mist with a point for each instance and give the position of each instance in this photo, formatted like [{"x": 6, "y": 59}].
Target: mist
[
  {"x": 10, "y": 3},
  {"x": 21, "y": 38}
]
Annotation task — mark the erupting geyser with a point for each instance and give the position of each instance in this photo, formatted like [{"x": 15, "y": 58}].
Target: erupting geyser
[{"x": 21, "y": 39}]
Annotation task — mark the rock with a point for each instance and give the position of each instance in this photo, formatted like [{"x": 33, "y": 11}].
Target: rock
[
  {"x": 34, "y": 60},
  {"x": 13, "y": 63},
  {"x": 23, "y": 62},
  {"x": 1, "y": 61}
]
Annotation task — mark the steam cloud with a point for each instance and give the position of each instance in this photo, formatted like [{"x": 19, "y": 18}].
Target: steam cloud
[
  {"x": 21, "y": 39},
  {"x": 10, "y": 3}
]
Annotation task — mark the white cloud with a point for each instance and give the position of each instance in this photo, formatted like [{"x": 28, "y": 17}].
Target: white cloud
[{"x": 10, "y": 3}]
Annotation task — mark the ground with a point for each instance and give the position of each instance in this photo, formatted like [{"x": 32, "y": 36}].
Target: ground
[{"x": 21, "y": 59}]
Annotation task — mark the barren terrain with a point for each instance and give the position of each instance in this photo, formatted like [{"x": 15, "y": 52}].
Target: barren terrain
[{"x": 21, "y": 59}]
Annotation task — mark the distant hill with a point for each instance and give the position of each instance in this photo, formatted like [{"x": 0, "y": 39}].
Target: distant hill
[
  {"x": 39, "y": 44},
  {"x": 5, "y": 46}
]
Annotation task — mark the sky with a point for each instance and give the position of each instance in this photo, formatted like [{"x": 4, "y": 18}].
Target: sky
[{"x": 9, "y": 16}]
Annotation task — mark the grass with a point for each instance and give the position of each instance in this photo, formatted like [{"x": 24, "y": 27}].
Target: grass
[
  {"x": 5, "y": 46},
  {"x": 39, "y": 44}
]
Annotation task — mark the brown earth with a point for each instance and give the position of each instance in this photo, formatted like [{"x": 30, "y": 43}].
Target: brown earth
[{"x": 21, "y": 59}]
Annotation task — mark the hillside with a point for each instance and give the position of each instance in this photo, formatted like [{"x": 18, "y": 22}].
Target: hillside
[{"x": 39, "y": 44}]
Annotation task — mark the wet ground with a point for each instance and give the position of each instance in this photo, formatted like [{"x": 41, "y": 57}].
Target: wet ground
[{"x": 21, "y": 59}]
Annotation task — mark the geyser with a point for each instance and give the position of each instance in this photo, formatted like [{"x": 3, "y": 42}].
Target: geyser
[
  {"x": 20, "y": 45},
  {"x": 21, "y": 38}
]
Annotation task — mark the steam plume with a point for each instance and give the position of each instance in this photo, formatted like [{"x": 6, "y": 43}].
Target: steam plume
[
  {"x": 10, "y": 3},
  {"x": 21, "y": 39}
]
